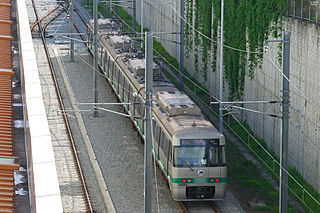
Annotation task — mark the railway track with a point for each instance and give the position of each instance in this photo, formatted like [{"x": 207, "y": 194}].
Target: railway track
[
  {"x": 188, "y": 206},
  {"x": 183, "y": 206},
  {"x": 41, "y": 28}
]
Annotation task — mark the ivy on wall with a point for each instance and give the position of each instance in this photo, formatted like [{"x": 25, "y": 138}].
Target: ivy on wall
[{"x": 247, "y": 25}]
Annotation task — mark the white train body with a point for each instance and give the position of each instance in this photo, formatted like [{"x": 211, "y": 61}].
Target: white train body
[{"x": 188, "y": 148}]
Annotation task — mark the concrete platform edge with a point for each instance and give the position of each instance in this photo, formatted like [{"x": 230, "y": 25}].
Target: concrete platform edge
[
  {"x": 101, "y": 182},
  {"x": 43, "y": 180}
]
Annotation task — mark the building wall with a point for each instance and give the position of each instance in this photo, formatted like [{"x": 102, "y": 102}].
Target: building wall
[{"x": 304, "y": 136}]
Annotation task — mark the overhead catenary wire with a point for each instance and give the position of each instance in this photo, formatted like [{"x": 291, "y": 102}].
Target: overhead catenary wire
[
  {"x": 118, "y": 113},
  {"x": 255, "y": 111}
]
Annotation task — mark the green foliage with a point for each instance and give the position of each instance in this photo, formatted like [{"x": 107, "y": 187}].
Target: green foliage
[
  {"x": 244, "y": 177},
  {"x": 247, "y": 24},
  {"x": 273, "y": 166}
]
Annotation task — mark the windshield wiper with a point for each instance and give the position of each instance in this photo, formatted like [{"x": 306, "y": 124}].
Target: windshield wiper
[{"x": 188, "y": 165}]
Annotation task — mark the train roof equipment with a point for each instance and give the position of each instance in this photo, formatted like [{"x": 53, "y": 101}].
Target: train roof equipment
[
  {"x": 176, "y": 103},
  {"x": 175, "y": 110}
]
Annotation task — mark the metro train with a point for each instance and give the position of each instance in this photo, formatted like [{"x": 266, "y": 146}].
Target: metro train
[{"x": 187, "y": 147}]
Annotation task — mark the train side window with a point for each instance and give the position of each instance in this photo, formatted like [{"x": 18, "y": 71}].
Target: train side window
[
  {"x": 104, "y": 62},
  {"x": 113, "y": 67},
  {"x": 158, "y": 139},
  {"x": 102, "y": 53},
  {"x": 130, "y": 96},
  {"x": 131, "y": 100},
  {"x": 223, "y": 155},
  {"x": 128, "y": 93},
  {"x": 120, "y": 84},
  {"x": 120, "y": 77},
  {"x": 166, "y": 146},
  {"x": 162, "y": 140},
  {"x": 154, "y": 126},
  {"x": 214, "y": 155},
  {"x": 125, "y": 86},
  {"x": 170, "y": 152},
  {"x": 109, "y": 64},
  {"x": 134, "y": 111},
  {"x": 142, "y": 111},
  {"x": 157, "y": 133},
  {"x": 137, "y": 107},
  {"x": 115, "y": 76},
  {"x": 114, "y": 70}
]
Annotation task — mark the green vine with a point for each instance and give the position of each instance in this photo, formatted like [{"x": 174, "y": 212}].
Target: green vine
[{"x": 247, "y": 25}]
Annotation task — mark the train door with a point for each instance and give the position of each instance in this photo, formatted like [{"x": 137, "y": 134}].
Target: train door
[
  {"x": 170, "y": 160},
  {"x": 163, "y": 150},
  {"x": 109, "y": 64},
  {"x": 214, "y": 155}
]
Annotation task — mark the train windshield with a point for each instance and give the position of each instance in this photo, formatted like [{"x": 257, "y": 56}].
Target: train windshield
[{"x": 199, "y": 153}]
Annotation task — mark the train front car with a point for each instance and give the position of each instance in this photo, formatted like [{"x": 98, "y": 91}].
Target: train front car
[
  {"x": 195, "y": 159},
  {"x": 198, "y": 169}
]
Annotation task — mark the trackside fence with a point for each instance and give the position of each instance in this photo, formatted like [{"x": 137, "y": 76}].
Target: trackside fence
[{"x": 304, "y": 9}]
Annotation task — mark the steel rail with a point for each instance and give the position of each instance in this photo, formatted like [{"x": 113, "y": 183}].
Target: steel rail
[
  {"x": 82, "y": 19},
  {"x": 62, "y": 108},
  {"x": 49, "y": 22},
  {"x": 183, "y": 207},
  {"x": 40, "y": 20},
  {"x": 186, "y": 210},
  {"x": 75, "y": 26},
  {"x": 215, "y": 208}
]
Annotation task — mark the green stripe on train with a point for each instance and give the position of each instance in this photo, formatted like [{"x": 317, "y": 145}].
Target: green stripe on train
[{"x": 199, "y": 180}]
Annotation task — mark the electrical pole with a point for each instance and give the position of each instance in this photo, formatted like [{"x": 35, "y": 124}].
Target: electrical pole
[
  {"x": 105, "y": 9},
  {"x": 134, "y": 17},
  {"x": 71, "y": 31},
  {"x": 141, "y": 21},
  {"x": 116, "y": 7},
  {"x": 95, "y": 71},
  {"x": 181, "y": 67},
  {"x": 285, "y": 125},
  {"x": 221, "y": 70},
  {"x": 148, "y": 142},
  {"x": 110, "y": 8}
]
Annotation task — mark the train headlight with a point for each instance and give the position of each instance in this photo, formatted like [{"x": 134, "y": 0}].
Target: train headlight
[
  {"x": 189, "y": 180},
  {"x": 214, "y": 180}
]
